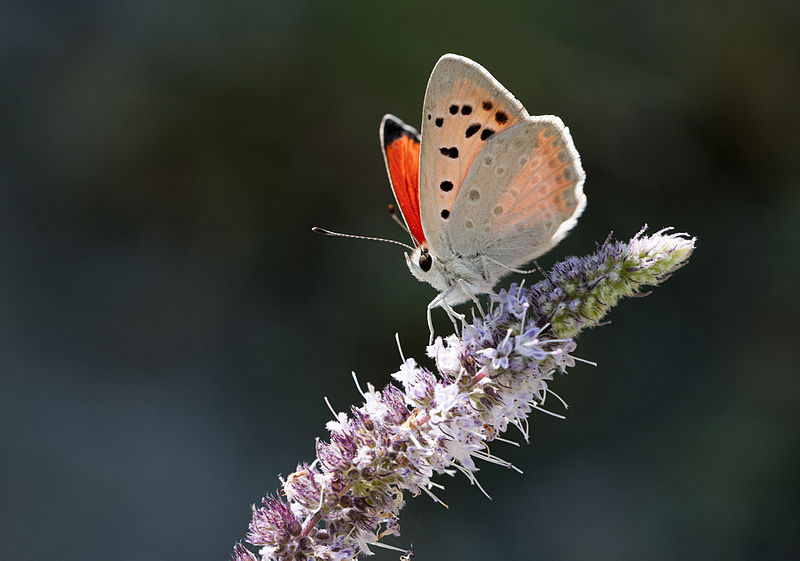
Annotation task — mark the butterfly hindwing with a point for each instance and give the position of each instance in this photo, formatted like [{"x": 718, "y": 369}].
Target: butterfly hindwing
[
  {"x": 464, "y": 108},
  {"x": 522, "y": 195},
  {"x": 400, "y": 146}
]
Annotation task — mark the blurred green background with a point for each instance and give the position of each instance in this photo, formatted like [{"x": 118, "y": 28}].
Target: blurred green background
[{"x": 169, "y": 324}]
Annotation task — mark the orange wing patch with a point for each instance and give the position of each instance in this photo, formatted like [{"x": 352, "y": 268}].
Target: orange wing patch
[
  {"x": 464, "y": 108},
  {"x": 401, "y": 152},
  {"x": 459, "y": 129}
]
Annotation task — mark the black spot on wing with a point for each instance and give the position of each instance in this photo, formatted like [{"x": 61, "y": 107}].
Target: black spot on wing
[
  {"x": 439, "y": 122},
  {"x": 486, "y": 133},
  {"x": 466, "y": 110},
  {"x": 445, "y": 214},
  {"x": 446, "y": 186},
  {"x": 451, "y": 152},
  {"x": 500, "y": 117},
  {"x": 487, "y": 105},
  {"x": 472, "y": 129},
  {"x": 453, "y": 109}
]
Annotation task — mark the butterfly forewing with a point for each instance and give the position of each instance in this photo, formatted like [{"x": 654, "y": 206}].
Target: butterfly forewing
[
  {"x": 464, "y": 108},
  {"x": 400, "y": 144},
  {"x": 522, "y": 195}
]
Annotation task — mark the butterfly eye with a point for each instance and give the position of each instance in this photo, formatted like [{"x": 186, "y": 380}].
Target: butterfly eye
[{"x": 425, "y": 260}]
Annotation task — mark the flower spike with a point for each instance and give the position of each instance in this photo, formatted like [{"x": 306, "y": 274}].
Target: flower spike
[{"x": 490, "y": 376}]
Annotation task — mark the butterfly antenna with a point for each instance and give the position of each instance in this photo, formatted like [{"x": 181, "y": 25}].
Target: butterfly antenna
[
  {"x": 355, "y": 237},
  {"x": 393, "y": 213}
]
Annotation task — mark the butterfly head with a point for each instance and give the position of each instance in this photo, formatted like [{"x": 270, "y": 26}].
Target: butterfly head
[{"x": 425, "y": 267}]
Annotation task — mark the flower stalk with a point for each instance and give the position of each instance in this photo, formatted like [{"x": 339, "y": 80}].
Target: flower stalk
[{"x": 488, "y": 377}]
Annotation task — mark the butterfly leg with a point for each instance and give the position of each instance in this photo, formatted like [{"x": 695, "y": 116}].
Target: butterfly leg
[
  {"x": 467, "y": 289},
  {"x": 440, "y": 301},
  {"x": 454, "y": 316}
]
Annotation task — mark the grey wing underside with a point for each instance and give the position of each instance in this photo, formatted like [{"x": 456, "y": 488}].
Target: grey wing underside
[
  {"x": 464, "y": 106},
  {"x": 522, "y": 195}
]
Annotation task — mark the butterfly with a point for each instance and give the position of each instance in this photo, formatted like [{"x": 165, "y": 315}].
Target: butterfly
[{"x": 485, "y": 188}]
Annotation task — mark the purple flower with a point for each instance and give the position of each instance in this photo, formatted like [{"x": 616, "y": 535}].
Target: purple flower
[{"x": 490, "y": 376}]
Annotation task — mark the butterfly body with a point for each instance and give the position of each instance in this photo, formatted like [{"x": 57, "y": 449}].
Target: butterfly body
[{"x": 485, "y": 188}]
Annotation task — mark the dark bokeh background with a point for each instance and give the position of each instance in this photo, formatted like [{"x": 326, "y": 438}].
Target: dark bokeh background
[{"x": 169, "y": 325}]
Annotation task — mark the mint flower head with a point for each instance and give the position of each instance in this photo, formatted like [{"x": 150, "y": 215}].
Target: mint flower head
[{"x": 491, "y": 375}]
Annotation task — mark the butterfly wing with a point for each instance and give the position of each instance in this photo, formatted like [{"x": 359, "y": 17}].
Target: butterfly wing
[
  {"x": 522, "y": 195},
  {"x": 400, "y": 147},
  {"x": 464, "y": 107}
]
